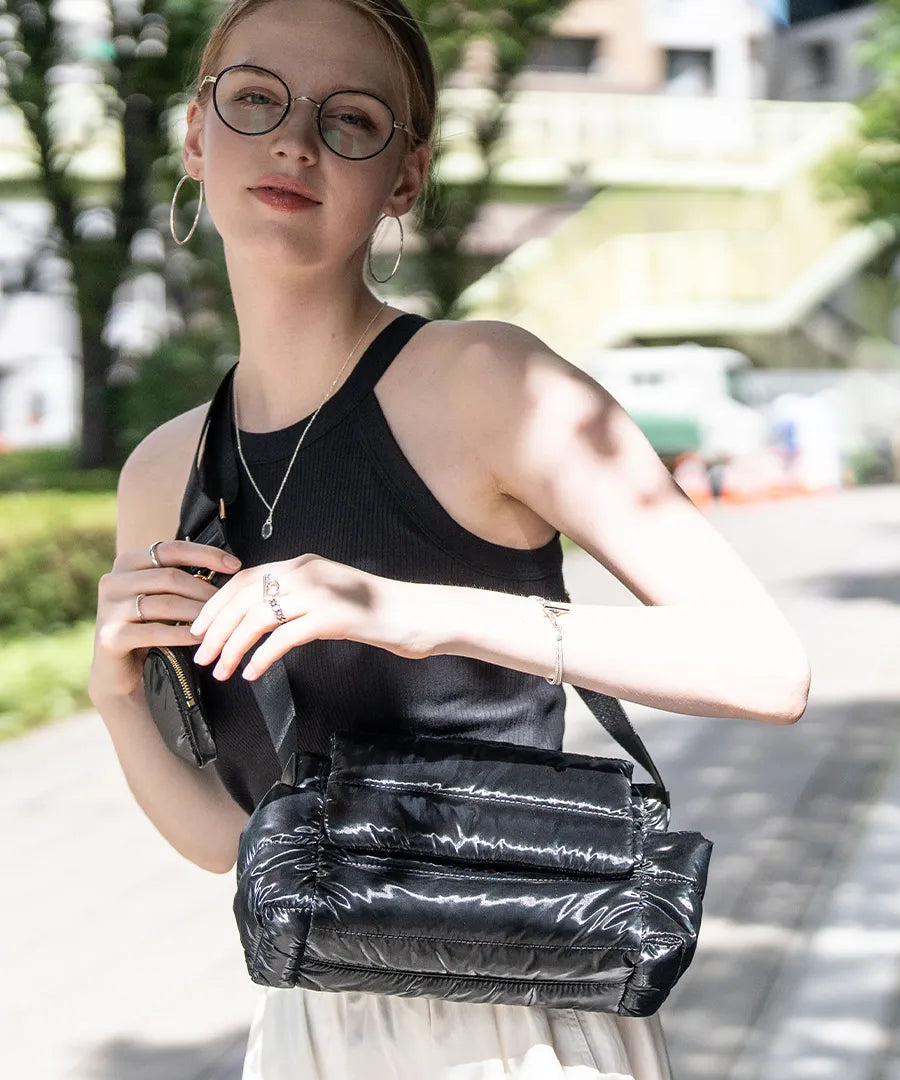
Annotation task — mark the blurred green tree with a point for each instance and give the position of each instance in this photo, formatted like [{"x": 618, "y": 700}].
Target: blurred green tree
[
  {"x": 133, "y": 59},
  {"x": 867, "y": 170},
  {"x": 512, "y": 30},
  {"x": 870, "y": 172}
]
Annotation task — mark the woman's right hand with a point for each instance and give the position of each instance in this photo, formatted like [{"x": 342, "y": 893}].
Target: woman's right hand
[{"x": 168, "y": 596}]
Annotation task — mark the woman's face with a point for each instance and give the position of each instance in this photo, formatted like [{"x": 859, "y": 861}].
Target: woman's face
[{"x": 316, "y": 46}]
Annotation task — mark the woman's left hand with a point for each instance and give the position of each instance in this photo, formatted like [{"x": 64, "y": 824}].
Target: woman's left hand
[{"x": 319, "y": 598}]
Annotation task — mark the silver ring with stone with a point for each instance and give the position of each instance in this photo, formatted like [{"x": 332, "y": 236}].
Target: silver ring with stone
[
  {"x": 270, "y": 586},
  {"x": 153, "y": 556},
  {"x": 276, "y": 607},
  {"x": 137, "y": 606}
]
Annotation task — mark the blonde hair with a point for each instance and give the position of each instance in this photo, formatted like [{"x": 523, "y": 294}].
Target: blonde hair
[{"x": 399, "y": 31}]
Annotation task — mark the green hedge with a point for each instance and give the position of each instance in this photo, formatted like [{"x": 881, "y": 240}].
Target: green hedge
[
  {"x": 43, "y": 677},
  {"x": 54, "y": 547},
  {"x": 51, "y": 468}
]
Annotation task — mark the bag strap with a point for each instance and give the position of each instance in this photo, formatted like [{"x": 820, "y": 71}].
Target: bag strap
[
  {"x": 609, "y": 713},
  {"x": 213, "y": 484}
]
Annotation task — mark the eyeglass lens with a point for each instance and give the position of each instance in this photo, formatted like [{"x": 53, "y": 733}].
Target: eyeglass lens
[{"x": 253, "y": 102}]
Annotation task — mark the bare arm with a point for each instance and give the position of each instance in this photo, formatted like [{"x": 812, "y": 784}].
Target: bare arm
[
  {"x": 710, "y": 640},
  {"x": 190, "y": 807}
]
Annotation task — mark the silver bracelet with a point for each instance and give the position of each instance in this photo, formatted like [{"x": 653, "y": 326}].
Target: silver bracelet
[{"x": 551, "y": 609}]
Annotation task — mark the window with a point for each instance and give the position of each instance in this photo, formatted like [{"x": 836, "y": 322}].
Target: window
[
  {"x": 689, "y": 71},
  {"x": 820, "y": 62},
  {"x": 565, "y": 54}
]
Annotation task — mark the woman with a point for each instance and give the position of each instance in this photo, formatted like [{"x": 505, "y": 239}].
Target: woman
[{"x": 408, "y": 531}]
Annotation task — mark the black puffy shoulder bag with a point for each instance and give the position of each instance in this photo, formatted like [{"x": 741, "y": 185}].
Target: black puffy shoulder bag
[
  {"x": 464, "y": 869},
  {"x": 470, "y": 870}
]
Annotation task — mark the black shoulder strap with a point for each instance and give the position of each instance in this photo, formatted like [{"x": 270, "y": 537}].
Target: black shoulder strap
[
  {"x": 213, "y": 475},
  {"x": 213, "y": 485},
  {"x": 608, "y": 710}
]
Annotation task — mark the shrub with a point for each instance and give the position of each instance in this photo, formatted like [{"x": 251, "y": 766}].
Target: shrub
[
  {"x": 44, "y": 677},
  {"x": 54, "y": 547},
  {"x": 50, "y": 468}
]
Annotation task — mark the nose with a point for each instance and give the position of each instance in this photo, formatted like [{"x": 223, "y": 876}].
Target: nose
[{"x": 297, "y": 135}]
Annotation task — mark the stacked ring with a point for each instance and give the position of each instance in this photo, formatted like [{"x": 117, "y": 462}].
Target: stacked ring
[{"x": 271, "y": 589}]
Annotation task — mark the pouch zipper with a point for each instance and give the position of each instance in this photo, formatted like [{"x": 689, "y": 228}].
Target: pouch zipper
[{"x": 180, "y": 675}]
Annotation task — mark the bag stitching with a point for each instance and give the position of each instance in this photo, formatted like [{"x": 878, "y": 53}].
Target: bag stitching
[
  {"x": 471, "y": 941},
  {"x": 493, "y": 980},
  {"x": 669, "y": 875},
  {"x": 412, "y": 868},
  {"x": 523, "y": 802}
]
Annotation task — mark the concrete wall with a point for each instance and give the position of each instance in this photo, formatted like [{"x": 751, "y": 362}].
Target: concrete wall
[{"x": 815, "y": 61}]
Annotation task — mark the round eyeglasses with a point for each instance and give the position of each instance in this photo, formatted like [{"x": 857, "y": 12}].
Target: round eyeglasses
[{"x": 253, "y": 101}]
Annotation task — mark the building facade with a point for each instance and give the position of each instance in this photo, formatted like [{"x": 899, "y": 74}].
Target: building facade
[
  {"x": 692, "y": 47},
  {"x": 718, "y": 48}
]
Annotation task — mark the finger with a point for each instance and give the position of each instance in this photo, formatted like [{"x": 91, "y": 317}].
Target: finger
[
  {"x": 170, "y": 581},
  {"x": 222, "y": 613},
  {"x": 179, "y": 553},
  {"x": 246, "y": 585},
  {"x": 121, "y": 638},
  {"x": 162, "y": 608},
  {"x": 258, "y": 621},
  {"x": 298, "y": 631}
]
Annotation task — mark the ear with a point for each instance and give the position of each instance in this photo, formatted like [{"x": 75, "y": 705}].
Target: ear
[
  {"x": 410, "y": 179},
  {"x": 192, "y": 150}
]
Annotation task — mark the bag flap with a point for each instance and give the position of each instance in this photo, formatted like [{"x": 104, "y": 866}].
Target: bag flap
[{"x": 494, "y": 803}]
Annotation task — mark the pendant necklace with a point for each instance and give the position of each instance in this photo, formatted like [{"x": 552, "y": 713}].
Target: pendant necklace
[{"x": 267, "y": 527}]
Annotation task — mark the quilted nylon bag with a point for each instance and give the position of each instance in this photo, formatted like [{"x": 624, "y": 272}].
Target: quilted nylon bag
[{"x": 469, "y": 870}]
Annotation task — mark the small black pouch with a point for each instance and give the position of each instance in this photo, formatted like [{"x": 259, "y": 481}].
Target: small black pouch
[
  {"x": 171, "y": 685},
  {"x": 175, "y": 703}
]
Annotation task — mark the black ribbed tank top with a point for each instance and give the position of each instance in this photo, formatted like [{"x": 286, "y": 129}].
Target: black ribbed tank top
[{"x": 352, "y": 496}]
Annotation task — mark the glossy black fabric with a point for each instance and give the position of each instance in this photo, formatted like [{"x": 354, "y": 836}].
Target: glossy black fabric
[
  {"x": 474, "y": 871},
  {"x": 353, "y": 496}
]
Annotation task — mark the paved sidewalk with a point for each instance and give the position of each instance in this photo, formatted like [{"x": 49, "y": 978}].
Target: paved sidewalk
[{"x": 121, "y": 960}]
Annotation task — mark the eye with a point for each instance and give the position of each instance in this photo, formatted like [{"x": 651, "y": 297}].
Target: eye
[
  {"x": 353, "y": 119},
  {"x": 250, "y": 96}
]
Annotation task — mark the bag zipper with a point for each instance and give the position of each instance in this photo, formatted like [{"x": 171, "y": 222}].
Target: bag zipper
[{"x": 180, "y": 675}]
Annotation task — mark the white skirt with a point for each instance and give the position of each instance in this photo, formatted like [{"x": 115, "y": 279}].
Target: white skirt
[{"x": 317, "y": 1035}]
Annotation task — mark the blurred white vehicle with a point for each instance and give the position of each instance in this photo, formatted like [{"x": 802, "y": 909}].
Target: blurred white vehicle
[{"x": 681, "y": 398}]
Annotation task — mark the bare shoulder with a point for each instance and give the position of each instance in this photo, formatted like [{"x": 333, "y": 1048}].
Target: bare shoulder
[
  {"x": 510, "y": 383},
  {"x": 491, "y": 357},
  {"x": 153, "y": 478}
]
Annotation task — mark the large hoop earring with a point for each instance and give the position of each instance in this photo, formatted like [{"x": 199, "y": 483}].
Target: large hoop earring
[
  {"x": 187, "y": 176},
  {"x": 382, "y": 281}
]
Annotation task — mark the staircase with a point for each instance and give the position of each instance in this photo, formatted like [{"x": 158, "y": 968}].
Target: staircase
[{"x": 704, "y": 228}]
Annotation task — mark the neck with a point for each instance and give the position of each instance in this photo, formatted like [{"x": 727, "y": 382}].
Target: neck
[{"x": 296, "y": 333}]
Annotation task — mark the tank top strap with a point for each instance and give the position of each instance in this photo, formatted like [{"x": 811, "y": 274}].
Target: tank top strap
[{"x": 377, "y": 357}]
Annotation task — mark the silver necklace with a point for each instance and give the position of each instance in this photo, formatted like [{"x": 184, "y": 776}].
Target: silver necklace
[{"x": 266, "y": 531}]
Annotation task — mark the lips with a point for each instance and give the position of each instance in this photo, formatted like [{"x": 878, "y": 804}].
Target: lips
[{"x": 285, "y": 184}]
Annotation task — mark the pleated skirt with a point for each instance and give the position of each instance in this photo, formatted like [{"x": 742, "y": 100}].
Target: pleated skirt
[{"x": 315, "y": 1035}]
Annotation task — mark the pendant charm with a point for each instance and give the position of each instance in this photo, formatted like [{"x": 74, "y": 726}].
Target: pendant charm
[{"x": 267, "y": 528}]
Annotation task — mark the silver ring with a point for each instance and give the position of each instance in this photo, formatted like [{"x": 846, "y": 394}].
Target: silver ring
[
  {"x": 276, "y": 607},
  {"x": 270, "y": 586},
  {"x": 137, "y": 606},
  {"x": 153, "y": 556}
]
